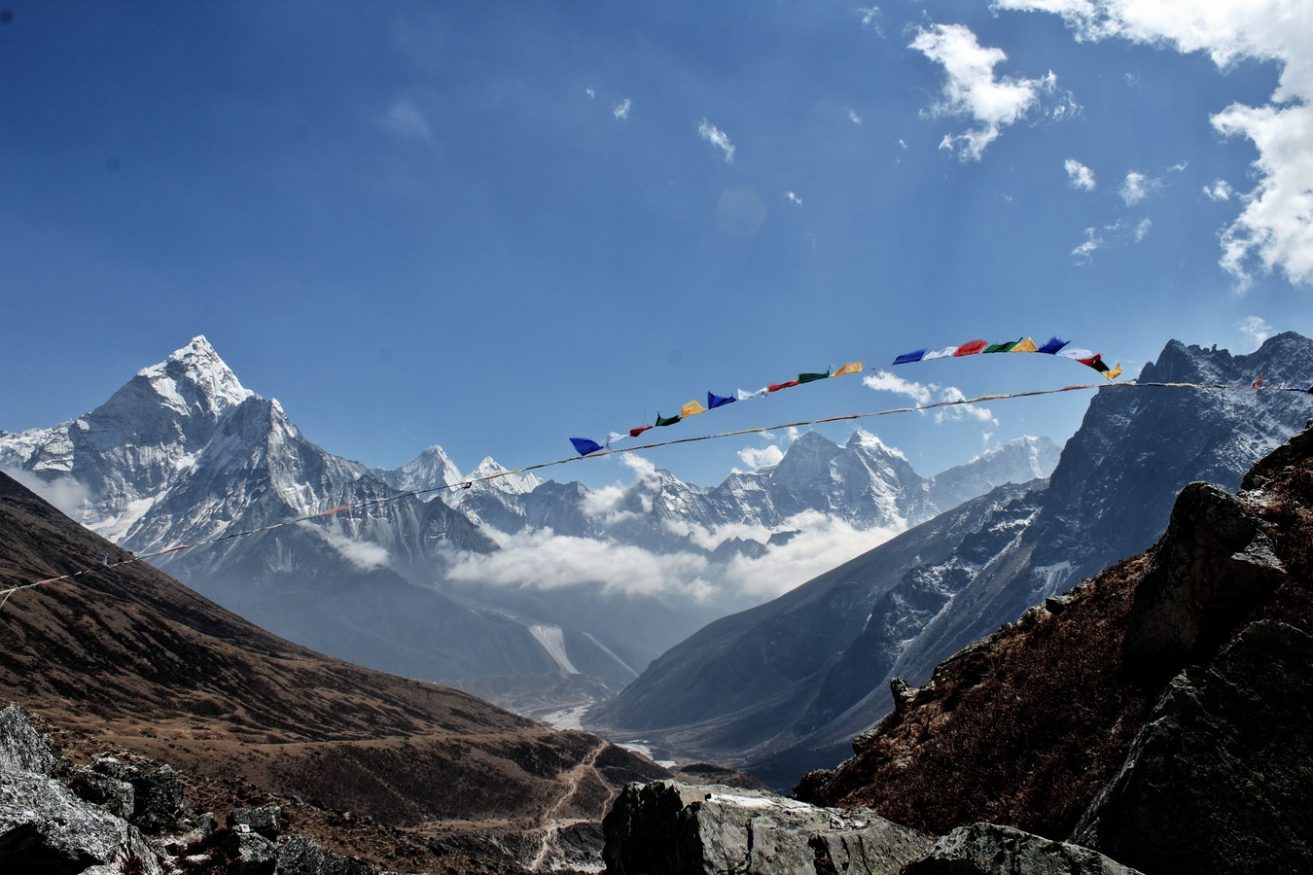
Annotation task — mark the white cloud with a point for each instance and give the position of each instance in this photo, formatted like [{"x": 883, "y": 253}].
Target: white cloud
[
  {"x": 854, "y": 117},
  {"x": 870, "y": 17},
  {"x": 974, "y": 90},
  {"x": 927, "y": 393},
  {"x": 1084, "y": 252},
  {"x": 590, "y": 92},
  {"x": 822, "y": 543},
  {"x": 65, "y": 493},
  {"x": 404, "y": 119},
  {"x": 364, "y": 555},
  {"x": 1120, "y": 231},
  {"x": 1255, "y": 329},
  {"x": 1274, "y": 230},
  {"x": 1078, "y": 175},
  {"x": 718, "y": 138},
  {"x": 757, "y": 458},
  {"x": 792, "y": 198},
  {"x": 1220, "y": 190},
  {"x": 621, "y": 109},
  {"x": 883, "y": 381},
  {"x": 1135, "y": 188},
  {"x": 902, "y": 144}
]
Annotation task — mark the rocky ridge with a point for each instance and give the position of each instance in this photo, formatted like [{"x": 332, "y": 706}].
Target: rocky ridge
[{"x": 1158, "y": 713}]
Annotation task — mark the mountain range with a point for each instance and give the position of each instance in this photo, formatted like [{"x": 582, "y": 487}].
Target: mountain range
[
  {"x": 780, "y": 689},
  {"x": 454, "y": 588}
]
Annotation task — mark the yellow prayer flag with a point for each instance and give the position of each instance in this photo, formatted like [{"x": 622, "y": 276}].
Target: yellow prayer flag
[
  {"x": 1027, "y": 345},
  {"x": 850, "y": 368},
  {"x": 692, "y": 408},
  {"x": 1114, "y": 373}
]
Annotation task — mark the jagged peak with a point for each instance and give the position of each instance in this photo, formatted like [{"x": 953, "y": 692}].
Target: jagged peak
[
  {"x": 199, "y": 365},
  {"x": 512, "y": 483},
  {"x": 866, "y": 440}
]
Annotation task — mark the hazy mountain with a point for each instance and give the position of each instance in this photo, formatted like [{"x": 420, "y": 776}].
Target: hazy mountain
[{"x": 1108, "y": 498}]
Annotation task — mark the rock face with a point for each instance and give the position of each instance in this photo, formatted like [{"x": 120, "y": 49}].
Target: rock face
[
  {"x": 665, "y": 828},
  {"x": 1159, "y": 713},
  {"x": 989, "y": 849},
  {"x": 1218, "y": 780}
]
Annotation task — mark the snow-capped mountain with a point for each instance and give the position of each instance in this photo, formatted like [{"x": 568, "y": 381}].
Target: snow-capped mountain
[
  {"x": 783, "y": 701},
  {"x": 184, "y": 453}
]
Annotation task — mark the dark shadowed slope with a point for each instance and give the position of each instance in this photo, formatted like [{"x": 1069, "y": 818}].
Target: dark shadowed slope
[
  {"x": 1160, "y": 712},
  {"x": 133, "y": 658}
]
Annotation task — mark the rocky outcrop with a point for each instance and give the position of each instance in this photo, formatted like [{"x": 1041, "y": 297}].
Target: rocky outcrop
[
  {"x": 89, "y": 826},
  {"x": 665, "y": 828},
  {"x": 1218, "y": 780},
  {"x": 990, "y": 849},
  {"x": 1161, "y": 713}
]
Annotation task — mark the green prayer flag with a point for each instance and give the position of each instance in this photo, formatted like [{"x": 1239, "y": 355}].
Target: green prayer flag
[
  {"x": 811, "y": 378},
  {"x": 666, "y": 420},
  {"x": 1003, "y": 347}
]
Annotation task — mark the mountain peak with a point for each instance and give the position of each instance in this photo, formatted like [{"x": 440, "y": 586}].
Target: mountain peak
[
  {"x": 513, "y": 483},
  {"x": 196, "y": 365},
  {"x": 866, "y": 440}
]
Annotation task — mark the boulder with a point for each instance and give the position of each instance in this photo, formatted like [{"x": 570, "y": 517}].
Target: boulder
[
  {"x": 249, "y": 853},
  {"x": 45, "y": 828},
  {"x": 300, "y": 856},
  {"x": 267, "y": 820},
  {"x": 115, "y": 796},
  {"x": 160, "y": 803},
  {"x": 1220, "y": 779},
  {"x": 667, "y": 828},
  {"x": 990, "y": 849},
  {"x": 22, "y": 748}
]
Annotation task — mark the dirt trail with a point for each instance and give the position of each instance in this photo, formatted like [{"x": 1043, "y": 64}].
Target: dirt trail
[{"x": 550, "y": 824}]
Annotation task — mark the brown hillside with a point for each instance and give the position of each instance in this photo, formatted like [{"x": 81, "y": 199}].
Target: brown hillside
[{"x": 131, "y": 658}]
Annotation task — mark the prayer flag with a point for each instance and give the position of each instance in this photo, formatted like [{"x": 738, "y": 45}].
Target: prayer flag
[
  {"x": 692, "y": 408},
  {"x": 1002, "y": 347},
  {"x": 1055, "y": 343},
  {"x": 850, "y": 368},
  {"x": 969, "y": 348},
  {"x": 635, "y": 432},
  {"x": 584, "y": 446},
  {"x": 1077, "y": 354},
  {"x": 666, "y": 420},
  {"x": 946, "y": 352},
  {"x": 714, "y": 400},
  {"x": 1114, "y": 373},
  {"x": 1258, "y": 383},
  {"x": 908, "y": 357},
  {"x": 744, "y": 395},
  {"x": 1027, "y": 345},
  {"x": 613, "y": 437},
  {"x": 775, "y": 387},
  {"x": 811, "y": 378}
]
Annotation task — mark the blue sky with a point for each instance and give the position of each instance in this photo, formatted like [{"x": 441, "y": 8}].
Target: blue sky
[{"x": 496, "y": 225}]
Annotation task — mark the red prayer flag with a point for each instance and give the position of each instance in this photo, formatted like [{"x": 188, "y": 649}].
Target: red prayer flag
[
  {"x": 775, "y": 387},
  {"x": 970, "y": 347},
  {"x": 635, "y": 432}
]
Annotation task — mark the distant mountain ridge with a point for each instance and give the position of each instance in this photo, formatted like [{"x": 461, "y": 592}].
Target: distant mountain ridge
[
  {"x": 184, "y": 453},
  {"x": 1108, "y": 498}
]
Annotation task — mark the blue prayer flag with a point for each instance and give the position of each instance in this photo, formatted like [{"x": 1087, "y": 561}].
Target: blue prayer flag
[
  {"x": 584, "y": 446},
  {"x": 908, "y": 357},
  {"x": 1052, "y": 347},
  {"x": 714, "y": 401}
]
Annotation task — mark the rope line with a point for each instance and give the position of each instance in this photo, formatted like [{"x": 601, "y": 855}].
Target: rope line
[{"x": 611, "y": 451}]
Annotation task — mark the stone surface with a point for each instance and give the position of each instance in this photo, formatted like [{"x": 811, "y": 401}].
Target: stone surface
[
  {"x": 666, "y": 828},
  {"x": 249, "y": 853},
  {"x": 267, "y": 820},
  {"x": 300, "y": 856},
  {"x": 989, "y": 849},
  {"x": 115, "y": 796},
  {"x": 1218, "y": 780},
  {"x": 45, "y": 828},
  {"x": 22, "y": 748},
  {"x": 161, "y": 805}
]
